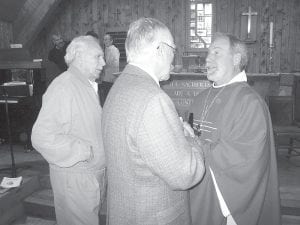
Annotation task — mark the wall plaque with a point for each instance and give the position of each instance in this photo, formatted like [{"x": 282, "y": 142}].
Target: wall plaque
[{"x": 183, "y": 92}]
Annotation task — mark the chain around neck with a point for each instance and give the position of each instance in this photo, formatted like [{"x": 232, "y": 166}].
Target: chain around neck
[{"x": 206, "y": 106}]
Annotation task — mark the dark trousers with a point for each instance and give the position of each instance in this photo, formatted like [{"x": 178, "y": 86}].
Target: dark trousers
[{"x": 104, "y": 88}]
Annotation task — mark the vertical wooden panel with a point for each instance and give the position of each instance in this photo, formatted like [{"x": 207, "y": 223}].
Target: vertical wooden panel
[
  {"x": 75, "y": 17},
  {"x": 296, "y": 63},
  {"x": 293, "y": 20},
  {"x": 218, "y": 17},
  {"x": 292, "y": 37},
  {"x": 139, "y": 6},
  {"x": 104, "y": 9},
  {"x": 231, "y": 17},
  {"x": 6, "y": 34},
  {"x": 285, "y": 37},
  {"x": 278, "y": 33},
  {"x": 178, "y": 22},
  {"x": 149, "y": 8},
  {"x": 238, "y": 9},
  {"x": 261, "y": 47},
  {"x": 256, "y": 27}
]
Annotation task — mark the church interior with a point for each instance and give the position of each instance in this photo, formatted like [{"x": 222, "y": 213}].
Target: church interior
[{"x": 270, "y": 29}]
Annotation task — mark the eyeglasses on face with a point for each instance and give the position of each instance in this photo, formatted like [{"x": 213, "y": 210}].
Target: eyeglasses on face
[{"x": 170, "y": 46}]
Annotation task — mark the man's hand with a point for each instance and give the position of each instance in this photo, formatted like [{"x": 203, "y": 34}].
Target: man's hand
[
  {"x": 197, "y": 144},
  {"x": 91, "y": 154},
  {"x": 187, "y": 129}
]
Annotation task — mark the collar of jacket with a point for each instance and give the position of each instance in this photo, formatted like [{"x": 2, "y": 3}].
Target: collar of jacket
[
  {"x": 79, "y": 75},
  {"x": 132, "y": 69}
]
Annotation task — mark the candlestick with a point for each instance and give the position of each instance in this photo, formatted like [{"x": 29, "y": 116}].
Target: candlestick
[{"x": 271, "y": 34}]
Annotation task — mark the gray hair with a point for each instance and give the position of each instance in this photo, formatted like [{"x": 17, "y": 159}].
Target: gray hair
[
  {"x": 142, "y": 33},
  {"x": 236, "y": 46},
  {"x": 78, "y": 44}
]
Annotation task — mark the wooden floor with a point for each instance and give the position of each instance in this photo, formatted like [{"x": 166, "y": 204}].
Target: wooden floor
[
  {"x": 28, "y": 164},
  {"x": 289, "y": 181},
  {"x": 288, "y": 171}
]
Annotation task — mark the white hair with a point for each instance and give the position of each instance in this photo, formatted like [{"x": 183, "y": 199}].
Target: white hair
[
  {"x": 141, "y": 34},
  {"x": 78, "y": 44}
]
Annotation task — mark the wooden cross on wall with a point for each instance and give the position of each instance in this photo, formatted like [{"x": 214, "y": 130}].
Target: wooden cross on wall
[
  {"x": 249, "y": 34},
  {"x": 116, "y": 14}
]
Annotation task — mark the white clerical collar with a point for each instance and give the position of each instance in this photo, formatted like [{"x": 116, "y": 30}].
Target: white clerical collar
[
  {"x": 94, "y": 85},
  {"x": 240, "y": 77},
  {"x": 147, "y": 71}
]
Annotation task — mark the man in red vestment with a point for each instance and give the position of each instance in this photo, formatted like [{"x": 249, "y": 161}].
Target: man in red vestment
[{"x": 233, "y": 123}]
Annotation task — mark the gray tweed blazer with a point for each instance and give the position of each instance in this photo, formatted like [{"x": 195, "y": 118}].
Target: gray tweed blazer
[{"x": 149, "y": 161}]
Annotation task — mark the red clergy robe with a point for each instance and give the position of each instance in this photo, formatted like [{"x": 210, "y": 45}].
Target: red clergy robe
[{"x": 239, "y": 148}]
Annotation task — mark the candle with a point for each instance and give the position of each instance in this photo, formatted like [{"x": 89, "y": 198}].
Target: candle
[{"x": 271, "y": 34}]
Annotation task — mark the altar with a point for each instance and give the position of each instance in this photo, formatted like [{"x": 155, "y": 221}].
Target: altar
[{"x": 185, "y": 86}]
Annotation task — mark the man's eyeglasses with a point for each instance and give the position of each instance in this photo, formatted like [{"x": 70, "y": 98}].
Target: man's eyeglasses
[{"x": 170, "y": 46}]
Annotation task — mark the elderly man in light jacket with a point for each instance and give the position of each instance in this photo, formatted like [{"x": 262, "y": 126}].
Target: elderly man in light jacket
[{"x": 67, "y": 133}]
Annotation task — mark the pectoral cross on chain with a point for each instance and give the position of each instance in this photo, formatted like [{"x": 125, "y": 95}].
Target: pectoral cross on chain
[{"x": 249, "y": 14}]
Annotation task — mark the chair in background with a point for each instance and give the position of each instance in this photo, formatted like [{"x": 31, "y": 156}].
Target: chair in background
[{"x": 282, "y": 109}]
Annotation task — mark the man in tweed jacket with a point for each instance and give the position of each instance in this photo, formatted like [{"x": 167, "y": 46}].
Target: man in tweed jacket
[{"x": 150, "y": 163}]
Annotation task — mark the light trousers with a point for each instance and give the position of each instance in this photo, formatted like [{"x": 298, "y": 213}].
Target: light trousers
[{"x": 78, "y": 196}]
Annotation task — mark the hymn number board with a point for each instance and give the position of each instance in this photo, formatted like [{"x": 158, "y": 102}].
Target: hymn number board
[{"x": 183, "y": 92}]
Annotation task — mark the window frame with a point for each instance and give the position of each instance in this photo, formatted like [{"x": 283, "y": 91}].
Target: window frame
[{"x": 188, "y": 49}]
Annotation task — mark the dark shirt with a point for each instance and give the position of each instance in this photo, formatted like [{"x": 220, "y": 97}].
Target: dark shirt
[{"x": 57, "y": 56}]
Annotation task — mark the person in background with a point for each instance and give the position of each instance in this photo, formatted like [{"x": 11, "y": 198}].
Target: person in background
[
  {"x": 67, "y": 133},
  {"x": 149, "y": 160},
  {"x": 58, "y": 52},
  {"x": 93, "y": 34},
  {"x": 112, "y": 57},
  {"x": 234, "y": 126}
]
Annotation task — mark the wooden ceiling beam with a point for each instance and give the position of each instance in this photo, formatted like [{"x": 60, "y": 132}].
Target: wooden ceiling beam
[{"x": 32, "y": 18}]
